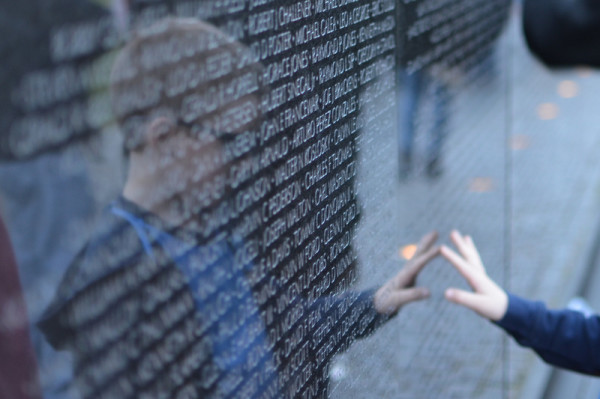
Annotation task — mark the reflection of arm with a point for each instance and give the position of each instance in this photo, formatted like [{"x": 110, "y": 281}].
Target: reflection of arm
[
  {"x": 361, "y": 314},
  {"x": 337, "y": 321},
  {"x": 564, "y": 338},
  {"x": 356, "y": 314}
]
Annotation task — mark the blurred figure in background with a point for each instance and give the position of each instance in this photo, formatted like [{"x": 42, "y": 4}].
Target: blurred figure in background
[{"x": 419, "y": 84}]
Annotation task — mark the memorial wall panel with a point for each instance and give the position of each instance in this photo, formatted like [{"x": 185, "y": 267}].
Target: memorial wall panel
[{"x": 212, "y": 199}]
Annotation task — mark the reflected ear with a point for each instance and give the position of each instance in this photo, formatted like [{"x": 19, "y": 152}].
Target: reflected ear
[{"x": 158, "y": 129}]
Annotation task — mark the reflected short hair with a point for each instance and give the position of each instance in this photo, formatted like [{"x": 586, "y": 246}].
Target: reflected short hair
[{"x": 188, "y": 71}]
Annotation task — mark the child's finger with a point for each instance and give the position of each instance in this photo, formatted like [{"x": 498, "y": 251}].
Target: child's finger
[
  {"x": 467, "y": 299},
  {"x": 467, "y": 270},
  {"x": 461, "y": 244},
  {"x": 475, "y": 253}
]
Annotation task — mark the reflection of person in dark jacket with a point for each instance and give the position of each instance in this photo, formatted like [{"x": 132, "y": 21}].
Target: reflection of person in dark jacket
[{"x": 170, "y": 298}]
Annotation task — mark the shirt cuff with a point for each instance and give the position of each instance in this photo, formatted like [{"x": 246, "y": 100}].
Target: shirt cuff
[{"x": 519, "y": 314}]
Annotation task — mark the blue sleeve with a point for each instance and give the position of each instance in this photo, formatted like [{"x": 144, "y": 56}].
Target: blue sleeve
[{"x": 563, "y": 338}]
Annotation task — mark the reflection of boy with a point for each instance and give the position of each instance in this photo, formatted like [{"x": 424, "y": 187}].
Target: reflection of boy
[{"x": 162, "y": 301}]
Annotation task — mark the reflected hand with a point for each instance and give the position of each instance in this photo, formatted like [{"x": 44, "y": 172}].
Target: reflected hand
[
  {"x": 488, "y": 299},
  {"x": 400, "y": 289}
]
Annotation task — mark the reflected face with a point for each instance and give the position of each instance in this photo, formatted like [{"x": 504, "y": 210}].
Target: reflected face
[
  {"x": 204, "y": 96},
  {"x": 186, "y": 174},
  {"x": 197, "y": 160}
]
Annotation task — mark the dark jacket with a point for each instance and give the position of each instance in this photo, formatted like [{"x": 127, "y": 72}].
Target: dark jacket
[
  {"x": 149, "y": 311},
  {"x": 563, "y": 338},
  {"x": 563, "y": 32}
]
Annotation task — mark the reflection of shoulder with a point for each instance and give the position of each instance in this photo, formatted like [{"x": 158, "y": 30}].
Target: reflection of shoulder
[
  {"x": 112, "y": 247},
  {"x": 119, "y": 303}
]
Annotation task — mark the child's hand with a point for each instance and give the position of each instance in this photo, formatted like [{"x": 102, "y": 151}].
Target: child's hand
[
  {"x": 488, "y": 299},
  {"x": 400, "y": 289}
]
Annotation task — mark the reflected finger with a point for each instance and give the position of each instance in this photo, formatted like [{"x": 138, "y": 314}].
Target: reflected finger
[
  {"x": 426, "y": 242},
  {"x": 396, "y": 299},
  {"x": 409, "y": 273},
  {"x": 417, "y": 263}
]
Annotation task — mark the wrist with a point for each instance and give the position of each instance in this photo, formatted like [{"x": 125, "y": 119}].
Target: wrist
[{"x": 501, "y": 306}]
